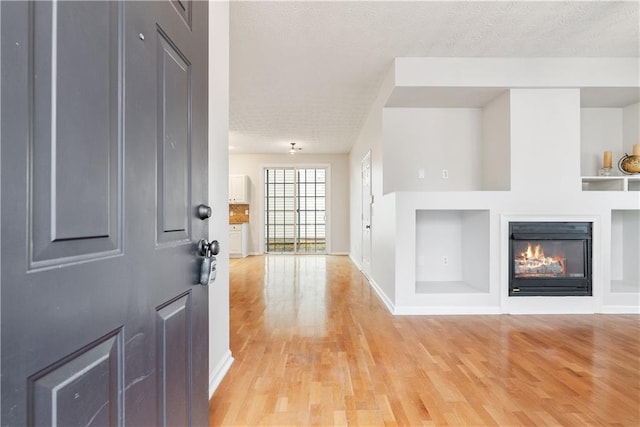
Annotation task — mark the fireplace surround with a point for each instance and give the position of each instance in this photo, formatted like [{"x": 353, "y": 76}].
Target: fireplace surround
[{"x": 550, "y": 258}]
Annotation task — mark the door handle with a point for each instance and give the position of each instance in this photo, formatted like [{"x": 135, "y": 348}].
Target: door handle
[
  {"x": 203, "y": 212},
  {"x": 368, "y": 227},
  {"x": 206, "y": 248},
  {"x": 209, "y": 263}
]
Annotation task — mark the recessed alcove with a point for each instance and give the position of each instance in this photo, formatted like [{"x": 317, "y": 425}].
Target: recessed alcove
[
  {"x": 452, "y": 251},
  {"x": 609, "y": 121},
  {"x": 625, "y": 251},
  {"x": 460, "y": 144}
]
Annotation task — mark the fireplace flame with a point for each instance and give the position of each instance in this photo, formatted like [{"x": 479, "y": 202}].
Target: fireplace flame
[
  {"x": 536, "y": 253},
  {"x": 533, "y": 262}
]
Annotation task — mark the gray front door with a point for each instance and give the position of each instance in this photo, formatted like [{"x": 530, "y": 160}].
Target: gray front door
[{"x": 103, "y": 161}]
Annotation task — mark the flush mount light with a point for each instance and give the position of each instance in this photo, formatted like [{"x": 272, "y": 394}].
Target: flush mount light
[{"x": 293, "y": 148}]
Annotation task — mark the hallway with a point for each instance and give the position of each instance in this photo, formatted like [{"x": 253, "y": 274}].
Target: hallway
[{"x": 313, "y": 345}]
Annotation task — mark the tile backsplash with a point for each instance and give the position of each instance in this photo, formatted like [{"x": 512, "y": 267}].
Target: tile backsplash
[{"x": 238, "y": 213}]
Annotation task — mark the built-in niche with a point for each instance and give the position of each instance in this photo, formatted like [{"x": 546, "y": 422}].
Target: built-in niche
[
  {"x": 442, "y": 147},
  {"x": 608, "y": 123},
  {"x": 452, "y": 251},
  {"x": 625, "y": 251}
]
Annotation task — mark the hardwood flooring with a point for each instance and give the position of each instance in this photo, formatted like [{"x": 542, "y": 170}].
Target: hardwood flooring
[{"x": 313, "y": 345}]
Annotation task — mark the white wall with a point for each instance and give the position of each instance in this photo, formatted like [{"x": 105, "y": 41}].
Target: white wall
[
  {"x": 631, "y": 127},
  {"x": 383, "y": 218},
  {"x": 496, "y": 140},
  {"x": 607, "y": 129},
  {"x": 219, "y": 354},
  {"x": 438, "y": 235},
  {"x": 545, "y": 140},
  {"x": 430, "y": 140},
  {"x": 600, "y": 131},
  {"x": 631, "y": 246},
  {"x": 252, "y": 165}
]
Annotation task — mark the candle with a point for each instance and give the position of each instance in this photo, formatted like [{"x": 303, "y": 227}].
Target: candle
[
  {"x": 607, "y": 159},
  {"x": 636, "y": 149}
]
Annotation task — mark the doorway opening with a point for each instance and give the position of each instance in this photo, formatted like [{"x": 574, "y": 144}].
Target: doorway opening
[{"x": 295, "y": 214}]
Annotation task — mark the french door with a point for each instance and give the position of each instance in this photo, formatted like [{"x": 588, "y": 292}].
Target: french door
[{"x": 295, "y": 214}]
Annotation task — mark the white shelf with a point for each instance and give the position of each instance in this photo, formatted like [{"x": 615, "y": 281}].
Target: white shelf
[
  {"x": 611, "y": 183},
  {"x": 451, "y": 287}
]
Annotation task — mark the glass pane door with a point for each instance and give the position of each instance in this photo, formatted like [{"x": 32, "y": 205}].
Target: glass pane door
[
  {"x": 295, "y": 210},
  {"x": 311, "y": 210}
]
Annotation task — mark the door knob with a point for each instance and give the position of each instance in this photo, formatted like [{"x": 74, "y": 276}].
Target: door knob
[
  {"x": 209, "y": 263},
  {"x": 204, "y": 212},
  {"x": 214, "y": 247},
  {"x": 206, "y": 248},
  {"x": 367, "y": 226}
]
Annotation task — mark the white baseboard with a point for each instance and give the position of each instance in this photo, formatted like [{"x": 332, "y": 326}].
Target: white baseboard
[
  {"x": 621, "y": 309},
  {"x": 444, "y": 310},
  {"x": 355, "y": 261},
  {"x": 218, "y": 373},
  {"x": 383, "y": 297}
]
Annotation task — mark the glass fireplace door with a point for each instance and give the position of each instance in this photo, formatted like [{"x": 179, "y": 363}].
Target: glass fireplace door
[{"x": 550, "y": 258}]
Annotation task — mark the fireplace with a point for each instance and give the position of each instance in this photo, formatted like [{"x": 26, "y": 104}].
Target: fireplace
[{"x": 550, "y": 258}]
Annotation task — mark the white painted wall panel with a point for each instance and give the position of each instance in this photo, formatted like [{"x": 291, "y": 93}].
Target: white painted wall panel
[
  {"x": 600, "y": 131},
  {"x": 432, "y": 140},
  {"x": 545, "y": 140},
  {"x": 496, "y": 144}
]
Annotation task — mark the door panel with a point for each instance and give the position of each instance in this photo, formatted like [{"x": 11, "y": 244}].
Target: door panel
[
  {"x": 183, "y": 7},
  {"x": 174, "y": 117},
  {"x": 103, "y": 161},
  {"x": 74, "y": 74},
  {"x": 85, "y": 389},
  {"x": 174, "y": 362}
]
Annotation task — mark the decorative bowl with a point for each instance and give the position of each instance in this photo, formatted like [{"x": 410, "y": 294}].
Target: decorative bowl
[{"x": 629, "y": 165}]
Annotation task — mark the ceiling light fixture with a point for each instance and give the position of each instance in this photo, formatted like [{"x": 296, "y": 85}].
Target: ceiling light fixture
[{"x": 293, "y": 148}]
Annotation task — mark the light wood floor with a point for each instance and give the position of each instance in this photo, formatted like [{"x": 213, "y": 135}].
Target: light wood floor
[{"x": 313, "y": 345}]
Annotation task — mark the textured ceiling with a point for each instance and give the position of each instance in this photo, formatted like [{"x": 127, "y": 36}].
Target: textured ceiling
[{"x": 308, "y": 72}]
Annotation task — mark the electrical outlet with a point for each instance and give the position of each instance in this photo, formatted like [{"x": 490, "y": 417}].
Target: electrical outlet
[
  {"x": 420, "y": 173},
  {"x": 445, "y": 174},
  {"x": 445, "y": 260}
]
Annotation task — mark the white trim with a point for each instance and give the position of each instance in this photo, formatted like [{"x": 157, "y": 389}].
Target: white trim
[
  {"x": 383, "y": 297},
  {"x": 218, "y": 373},
  {"x": 355, "y": 262},
  {"x": 444, "y": 310},
  {"x": 339, "y": 254},
  {"x": 621, "y": 309}
]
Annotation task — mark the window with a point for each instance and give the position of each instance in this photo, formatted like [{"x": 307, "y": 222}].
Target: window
[{"x": 295, "y": 210}]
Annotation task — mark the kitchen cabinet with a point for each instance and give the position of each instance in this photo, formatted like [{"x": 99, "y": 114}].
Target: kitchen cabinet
[
  {"x": 239, "y": 189},
  {"x": 238, "y": 240}
]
